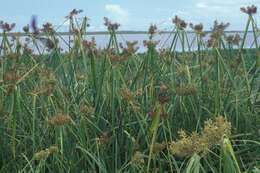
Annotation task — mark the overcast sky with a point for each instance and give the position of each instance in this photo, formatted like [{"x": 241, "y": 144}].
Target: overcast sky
[{"x": 132, "y": 14}]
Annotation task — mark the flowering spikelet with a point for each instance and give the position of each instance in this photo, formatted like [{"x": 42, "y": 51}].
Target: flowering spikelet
[
  {"x": 217, "y": 31},
  {"x": 90, "y": 46},
  {"x": 44, "y": 154},
  {"x": 152, "y": 30},
  {"x": 198, "y": 29},
  {"x": 86, "y": 109},
  {"x": 130, "y": 48},
  {"x": 129, "y": 97},
  {"x": 45, "y": 88},
  {"x": 250, "y": 10},
  {"x": 179, "y": 23},
  {"x": 48, "y": 43},
  {"x": 213, "y": 131},
  {"x": 233, "y": 39},
  {"x": 41, "y": 155},
  {"x": 53, "y": 149},
  {"x": 73, "y": 13},
  {"x": 6, "y": 27},
  {"x": 103, "y": 139},
  {"x": 152, "y": 114},
  {"x": 188, "y": 145},
  {"x": 59, "y": 120},
  {"x": 164, "y": 94},
  {"x": 165, "y": 54},
  {"x": 158, "y": 147},
  {"x": 186, "y": 90},
  {"x": 138, "y": 158},
  {"x": 127, "y": 94},
  {"x": 47, "y": 28},
  {"x": 200, "y": 143},
  {"x": 150, "y": 43},
  {"x": 111, "y": 26}
]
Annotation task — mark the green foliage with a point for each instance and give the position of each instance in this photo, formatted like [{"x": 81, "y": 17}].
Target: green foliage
[{"x": 115, "y": 110}]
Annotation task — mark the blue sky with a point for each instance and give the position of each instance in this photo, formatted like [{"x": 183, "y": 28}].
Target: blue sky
[{"x": 132, "y": 14}]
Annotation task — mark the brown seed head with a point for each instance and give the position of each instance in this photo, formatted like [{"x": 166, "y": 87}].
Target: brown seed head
[
  {"x": 250, "y": 10},
  {"x": 179, "y": 23},
  {"x": 59, "y": 120},
  {"x": 111, "y": 26}
]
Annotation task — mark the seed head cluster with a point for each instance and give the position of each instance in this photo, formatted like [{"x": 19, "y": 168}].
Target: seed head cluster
[
  {"x": 201, "y": 143},
  {"x": 111, "y": 26},
  {"x": 250, "y": 10},
  {"x": 59, "y": 120},
  {"x": 44, "y": 154},
  {"x": 179, "y": 23}
]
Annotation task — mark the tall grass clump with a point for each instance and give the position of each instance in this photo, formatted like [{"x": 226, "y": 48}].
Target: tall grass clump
[{"x": 114, "y": 109}]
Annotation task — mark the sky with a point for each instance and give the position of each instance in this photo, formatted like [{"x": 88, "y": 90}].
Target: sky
[{"x": 132, "y": 14}]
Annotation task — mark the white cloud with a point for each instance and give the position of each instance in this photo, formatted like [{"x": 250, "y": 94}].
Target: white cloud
[
  {"x": 117, "y": 13},
  {"x": 223, "y": 4},
  {"x": 201, "y": 5}
]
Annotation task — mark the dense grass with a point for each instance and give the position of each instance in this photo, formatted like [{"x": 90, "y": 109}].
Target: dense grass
[{"x": 114, "y": 110}]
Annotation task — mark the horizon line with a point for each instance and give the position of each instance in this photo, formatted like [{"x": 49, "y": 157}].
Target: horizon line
[{"x": 9, "y": 34}]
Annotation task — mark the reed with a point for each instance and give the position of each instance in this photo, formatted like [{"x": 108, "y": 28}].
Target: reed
[{"x": 89, "y": 109}]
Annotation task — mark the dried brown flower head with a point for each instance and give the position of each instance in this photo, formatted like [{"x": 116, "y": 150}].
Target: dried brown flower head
[
  {"x": 233, "y": 39},
  {"x": 250, "y": 10},
  {"x": 152, "y": 30},
  {"x": 6, "y": 27},
  {"x": 73, "y": 13},
  {"x": 90, "y": 46},
  {"x": 150, "y": 43},
  {"x": 48, "y": 43},
  {"x": 163, "y": 94},
  {"x": 198, "y": 29},
  {"x": 219, "y": 27},
  {"x": 111, "y": 26},
  {"x": 127, "y": 94},
  {"x": 152, "y": 114},
  {"x": 216, "y": 32},
  {"x": 59, "y": 120},
  {"x": 47, "y": 28},
  {"x": 179, "y": 23},
  {"x": 27, "y": 50},
  {"x": 130, "y": 48}
]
